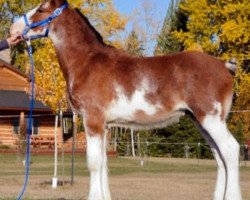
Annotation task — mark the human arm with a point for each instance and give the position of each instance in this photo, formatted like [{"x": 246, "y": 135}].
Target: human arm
[
  {"x": 4, "y": 45},
  {"x": 15, "y": 39}
]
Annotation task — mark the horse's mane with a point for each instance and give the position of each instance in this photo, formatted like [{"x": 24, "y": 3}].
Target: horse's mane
[{"x": 97, "y": 34}]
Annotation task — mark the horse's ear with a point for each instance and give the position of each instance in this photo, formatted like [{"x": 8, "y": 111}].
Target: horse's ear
[
  {"x": 53, "y": 3},
  {"x": 57, "y": 3}
]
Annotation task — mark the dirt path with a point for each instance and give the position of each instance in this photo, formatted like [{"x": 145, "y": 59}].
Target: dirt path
[
  {"x": 140, "y": 186},
  {"x": 183, "y": 179}
]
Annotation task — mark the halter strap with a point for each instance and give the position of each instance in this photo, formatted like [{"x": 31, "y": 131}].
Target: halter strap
[{"x": 42, "y": 23}]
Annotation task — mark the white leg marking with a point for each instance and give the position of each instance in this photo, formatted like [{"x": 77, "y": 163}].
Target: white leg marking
[
  {"x": 221, "y": 177},
  {"x": 232, "y": 166},
  {"x": 221, "y": 171},
  {"x": 105, "y": 182},
  {"x": 94, "y": 159},
  {"x": 229, "y": 150}
]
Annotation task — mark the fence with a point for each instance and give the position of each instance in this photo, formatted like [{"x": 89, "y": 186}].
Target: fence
[
  {"x": 164, "y": 149},
  {"x": 141, "y": 149}
]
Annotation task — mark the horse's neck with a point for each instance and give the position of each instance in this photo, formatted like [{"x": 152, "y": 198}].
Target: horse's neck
[{"x": 73, "y": 41}]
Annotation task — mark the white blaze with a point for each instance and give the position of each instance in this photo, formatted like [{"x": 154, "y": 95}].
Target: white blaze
[{"x": 19, "y": 25}]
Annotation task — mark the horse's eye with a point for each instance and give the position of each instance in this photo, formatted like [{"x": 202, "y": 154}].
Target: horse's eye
[{"x": 39, "y": 10}]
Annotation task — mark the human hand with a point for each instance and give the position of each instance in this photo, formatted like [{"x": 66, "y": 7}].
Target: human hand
[{"x": 14, "y": 39}]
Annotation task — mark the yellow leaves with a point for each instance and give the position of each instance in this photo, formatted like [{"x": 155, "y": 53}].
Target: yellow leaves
[
  {"x": 75, "y": 3},
  {"x": 234, "y": 31},
  {"x": 49, "y": 78},
  {"x": 243, "y": 93},
  {"x": 195, "y": 47},
  {"x": 196, "y": 6},
  {"x": 104, "y": 17}
]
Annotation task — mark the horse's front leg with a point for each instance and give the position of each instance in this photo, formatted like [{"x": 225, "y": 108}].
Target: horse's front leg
[
  {"x": 105, "y": 182},
  {"x": 96, "y": 159}
]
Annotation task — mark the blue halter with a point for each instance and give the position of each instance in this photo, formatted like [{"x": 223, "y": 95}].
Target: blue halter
[{"x": 42, "y": 23}]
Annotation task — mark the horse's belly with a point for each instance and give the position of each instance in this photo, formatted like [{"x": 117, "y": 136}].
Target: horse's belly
[
  {"x": 142, "y": 121},
  {"x": 138, "y": 111}
]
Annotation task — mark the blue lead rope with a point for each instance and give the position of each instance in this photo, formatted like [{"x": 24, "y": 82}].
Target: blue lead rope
[
  {"x": 29, "y": 130},
  {"x": 28, "y": 27}
]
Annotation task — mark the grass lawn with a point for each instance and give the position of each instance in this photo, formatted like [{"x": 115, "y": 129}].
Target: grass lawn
[
  {"x": 158, "y": 178},
  {"x": 44, "y": 165}
]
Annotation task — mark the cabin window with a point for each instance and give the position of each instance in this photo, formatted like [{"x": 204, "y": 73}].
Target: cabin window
[
  {"x": 15, "y": 126},
  {"x": 67, "y": 125},
  {"x": 35, "y": 129}
]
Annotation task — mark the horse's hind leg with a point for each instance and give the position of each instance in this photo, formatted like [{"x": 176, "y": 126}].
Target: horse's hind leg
[
  {"x": 227, "y": 149},
  {"x": 221, "y": 170}
]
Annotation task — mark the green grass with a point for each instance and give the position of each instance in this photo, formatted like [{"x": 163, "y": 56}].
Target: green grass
[{"x": 44, "y": 165}]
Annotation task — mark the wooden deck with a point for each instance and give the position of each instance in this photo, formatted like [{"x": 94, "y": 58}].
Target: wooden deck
[{"x": 42, "y": 142}]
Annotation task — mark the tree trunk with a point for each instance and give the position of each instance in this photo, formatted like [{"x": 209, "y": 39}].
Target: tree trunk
[
  {"x": 62, "y": 146},
  {"x": 54, "y": 179},
  {"x": 132, "y": 143},
  {"x": 115, "y": 139},
  {"x": 138, "y": 144},
  {"x": 73, "y": 147},
  {"x": 22, "y": 136}
]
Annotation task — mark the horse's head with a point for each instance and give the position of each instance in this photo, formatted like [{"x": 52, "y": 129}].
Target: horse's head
[{"x": 38, "y": 20}]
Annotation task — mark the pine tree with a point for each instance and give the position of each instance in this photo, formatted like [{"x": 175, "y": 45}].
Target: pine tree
[
  {"x": 174, "y": 20},
  {"x": 134, "y": 45}
]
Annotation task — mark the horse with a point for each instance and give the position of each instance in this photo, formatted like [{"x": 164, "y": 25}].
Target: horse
[{"x": 108, "y": 87}]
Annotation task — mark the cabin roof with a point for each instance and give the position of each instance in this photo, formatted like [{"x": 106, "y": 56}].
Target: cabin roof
[
  {"x": 19, "y": 100},
  {"x": 16, "y": 98},
  {"x": 12, "y": 68}
]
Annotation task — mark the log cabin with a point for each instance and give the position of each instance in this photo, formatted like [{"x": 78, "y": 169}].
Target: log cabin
[{"x": 14, "y": 105}]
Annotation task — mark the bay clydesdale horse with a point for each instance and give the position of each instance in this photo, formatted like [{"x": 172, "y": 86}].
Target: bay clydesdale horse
[{"x": 109, "y": 87}]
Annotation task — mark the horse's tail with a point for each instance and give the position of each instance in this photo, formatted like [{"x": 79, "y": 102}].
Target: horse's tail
[{"x": 231, "y": 64}]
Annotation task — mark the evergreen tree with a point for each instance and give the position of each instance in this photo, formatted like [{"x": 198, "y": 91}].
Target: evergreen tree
[
  {"x": 134, "y": 45},
  {"x": 174, "y": 21},
  {"x": 175, "y": 141}
]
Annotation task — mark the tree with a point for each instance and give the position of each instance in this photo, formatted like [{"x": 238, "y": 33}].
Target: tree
[
  {"x": 174, "y": 21},
  {"x": 51, "y": 87},
  {"x": 134, "y": 45},
  {"x": 172, "y": 140},
  {"x": 221, "y": 28}
]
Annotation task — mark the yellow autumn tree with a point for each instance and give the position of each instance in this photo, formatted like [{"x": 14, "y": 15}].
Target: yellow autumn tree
[
  {"x": 221, "y": 28},
  {"x": 51, "y": 86}
]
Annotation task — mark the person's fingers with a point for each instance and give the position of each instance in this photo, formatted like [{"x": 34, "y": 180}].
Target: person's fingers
[
  {"x": 14, "y": 39},
  {"x": 17, "y": 37}
]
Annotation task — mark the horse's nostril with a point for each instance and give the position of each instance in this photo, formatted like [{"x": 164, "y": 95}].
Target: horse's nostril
[{"x": 13, "y": 31}]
